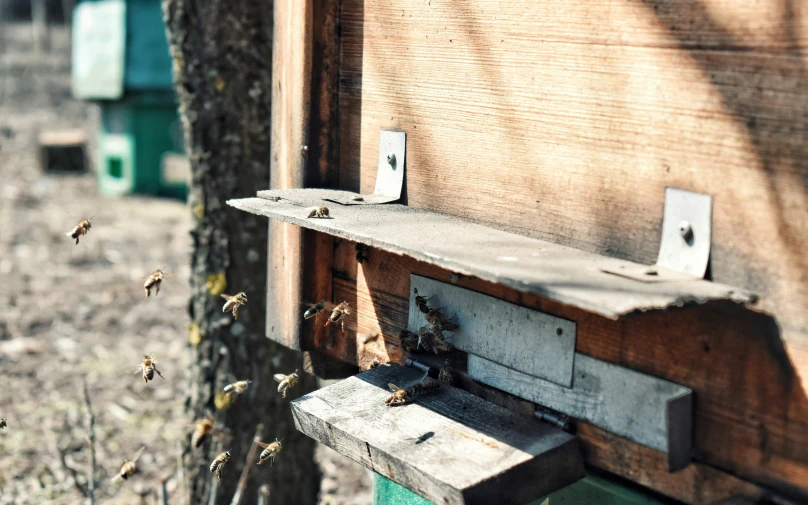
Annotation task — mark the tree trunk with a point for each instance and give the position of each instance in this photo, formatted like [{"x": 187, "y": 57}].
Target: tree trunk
[{"x": 222, "y": 62}]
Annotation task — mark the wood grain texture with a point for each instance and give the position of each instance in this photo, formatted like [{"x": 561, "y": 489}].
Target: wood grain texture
[
  {"x": 750, "y": 412},
  {"x": 303, "y": 149},
  {"x": 567, "y": 121},
  {"x": 557, "y": 272},
  {"x": 450, "y": 446}
]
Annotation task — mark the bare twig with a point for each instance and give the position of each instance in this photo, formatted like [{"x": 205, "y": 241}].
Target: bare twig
[
  {"x": 181, "y": 473},
  {"x": 263, "y": 494},
  {"x": 242, "y": 482},
  {"x": 91, "y": 442},
  {"x": 164, "y": 490},
  {"x": 214, "y": 488}
]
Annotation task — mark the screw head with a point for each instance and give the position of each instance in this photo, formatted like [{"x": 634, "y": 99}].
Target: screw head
[
  {"x": 391, "y": 159},
  {"x": 685, "y": 230}
]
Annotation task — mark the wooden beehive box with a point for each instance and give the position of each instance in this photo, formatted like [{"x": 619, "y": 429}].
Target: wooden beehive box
[{"x": 554, "y": 129}]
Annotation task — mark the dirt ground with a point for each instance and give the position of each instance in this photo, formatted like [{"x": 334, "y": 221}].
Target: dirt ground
[{"x": 70, "y": 313}]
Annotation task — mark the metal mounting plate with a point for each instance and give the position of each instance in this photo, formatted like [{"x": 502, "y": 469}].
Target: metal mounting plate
[
  {"x": 389, "y": 175},
  {"x": 684, "y": 250},
  {"x": 516, "y": 337}
]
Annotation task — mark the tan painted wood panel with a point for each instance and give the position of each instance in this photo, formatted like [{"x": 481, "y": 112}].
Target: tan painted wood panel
[
  {"x": 751, "y": 413},
  {"x": 567, "y": 120}
]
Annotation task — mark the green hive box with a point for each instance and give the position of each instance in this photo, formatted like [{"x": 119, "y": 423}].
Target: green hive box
[
  {"x": 590, "y": 490},
  {"x": 121, "y": 60}
]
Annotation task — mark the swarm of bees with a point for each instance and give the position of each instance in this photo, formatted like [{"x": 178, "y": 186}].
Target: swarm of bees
[
  {"x": 286, "y": 382},
  {"x": 319, "y": 212},
  {"x": 148, "y": 366},
  {"x": 80, "y": 229},
  {"x": 400, "y": 396},
  {"x": 233, "y": 302}
]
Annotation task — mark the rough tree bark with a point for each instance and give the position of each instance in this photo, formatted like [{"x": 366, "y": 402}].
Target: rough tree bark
[{"x": 222, "y": 62}]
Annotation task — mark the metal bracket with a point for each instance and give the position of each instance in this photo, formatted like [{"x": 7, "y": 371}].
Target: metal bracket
[
  {"x": 684, "y": 250},
  {"x": 389, "y": 175}
]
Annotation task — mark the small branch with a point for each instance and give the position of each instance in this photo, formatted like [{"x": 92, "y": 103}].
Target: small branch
[
  {"x": 181, "y": 473},
  {"x": 263, "y": 494},
  {"x": 214, "y": 488},
  {"x": 164, "y": 490},
  {"x": 242, "y": 482},
  {"x": 91, "y": 442}
]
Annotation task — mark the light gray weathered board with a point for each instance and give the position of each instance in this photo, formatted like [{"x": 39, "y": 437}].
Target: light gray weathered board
[
  {"x": 560, "y": 273},
  {"x": 645, "y": 409},
  {"x": 527, "y": 340},
  {"x": 450, "y": 447}
]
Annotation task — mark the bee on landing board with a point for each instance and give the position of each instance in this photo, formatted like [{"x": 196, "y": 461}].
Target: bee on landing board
[
  {"x": 404, "y": 396},
  {"x": 237, "y": 388},
  {"x": 338, "y": 314},
  {"x": 80, "y": 229},
  {"x": 319, "y": 212},
  {"x": 202, "y": 429},
  {"x": 286, "y": 382},
  {"x": 270, "y": 451},
  {"x": 148, "y": 366},
  {"x": 129, "y": 467},
  {"x": 234, "y": 302},
  {"x": 153, "y": 281},
  {"x": 218, "y": 464},
  {"x": 399, "y": 396},
  {"x": 420, "y": 301}
]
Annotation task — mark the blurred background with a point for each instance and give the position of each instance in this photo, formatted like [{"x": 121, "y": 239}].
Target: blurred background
[{"x": 89, "y": 129}]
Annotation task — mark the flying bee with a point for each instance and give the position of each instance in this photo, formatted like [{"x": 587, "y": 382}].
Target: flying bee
[
  {"x": 148, "y": 366},
  {"x": 270, "y": 451},
  {"x": 446, "y": 374},
  {"x": 202, "y": 428},
  {"x": 321, "y": 212},
  {"x": 80, "y": 229},
  {"x": 399, "y": 396},
  {"x": 218, "y": 464},
  {"x": 286, "y": 382},
  {"x": 237, "y": 388},
  {"x": 362, "y": 253},
  {"x": 153, "y": 281},
  {"x": 234, "y": 302},
  {"x": 338, "y": 314},
  {"x": 420, "y": 301},
  {"x": 129, "y": 467},
  {"x": 314, "y": 310},
  {"x": 409, "y": 340},
  {"x": 3, "y": 423}
]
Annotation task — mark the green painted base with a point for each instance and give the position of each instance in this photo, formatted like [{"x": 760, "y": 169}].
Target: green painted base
[
  {"x": 136, "y": 133},
  {"x": 588, "y": 491}
]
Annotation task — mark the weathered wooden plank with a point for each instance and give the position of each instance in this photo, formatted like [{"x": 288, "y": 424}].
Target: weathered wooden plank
[
  {"x": 560, "y": 273},
  {"x": 537, "y": 344},
  {"x": 567, "y": 120},
  {"x": 750, "y": 415},
  {"x": 645, "y": 409},
  {"x": 305, "y": 58},
  {"x": 450, "y": 447}
]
